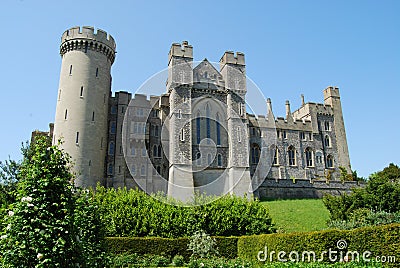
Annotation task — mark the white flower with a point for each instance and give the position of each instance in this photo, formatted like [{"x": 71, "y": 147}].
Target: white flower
[
  {"x": 30, "y": 205},
  {"x": 8, "y": 226},
  {"x": 39, "y": 256},
  {"x": 201, "y": 264},
  {"x": 26, "y": 199},
  {"x": 3, "y": 237},
  {"x": 11, "y": 213}
]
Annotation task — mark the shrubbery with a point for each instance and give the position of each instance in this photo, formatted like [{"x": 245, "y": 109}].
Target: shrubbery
[
  {"x": 132, "y": 213},
  {"x": 379, "y": 240},
  {"x": 50, "y": 224},
  {"x": 382, "y": 193},
  {"x": 365, "y": 217}
]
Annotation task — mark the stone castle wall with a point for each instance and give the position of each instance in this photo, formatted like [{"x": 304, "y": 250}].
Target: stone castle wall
[{"x": 302, "y": 188}]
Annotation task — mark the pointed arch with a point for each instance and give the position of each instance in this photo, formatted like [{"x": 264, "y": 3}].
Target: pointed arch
[{"x": 291, "y": 155}]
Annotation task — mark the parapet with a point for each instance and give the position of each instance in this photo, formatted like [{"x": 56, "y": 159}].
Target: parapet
[
  {"x": 181, "y": 50},
  {"x": 230, "y": 58},
  {"x": 86, "y": 38},
  {"x": 88, "y": 33},
  {"x": 331, "y": 92}
]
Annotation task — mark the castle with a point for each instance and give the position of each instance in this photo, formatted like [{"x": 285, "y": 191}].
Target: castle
[{"x": 197, "y": 135}]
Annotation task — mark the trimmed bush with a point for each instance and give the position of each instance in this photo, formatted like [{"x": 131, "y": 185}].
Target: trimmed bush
[
  {"x": 132, "y": 213},
  {"x": 169, "y": 247},
  {"x": 379, "y": 240}
]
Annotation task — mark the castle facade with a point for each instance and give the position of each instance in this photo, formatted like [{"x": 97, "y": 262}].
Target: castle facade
[{"x": 197, "y": 135}]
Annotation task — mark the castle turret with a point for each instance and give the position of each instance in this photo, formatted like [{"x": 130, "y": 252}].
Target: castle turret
[
  {"x": 82, "y": 108},
  {"x": 233, "y": 71},
  {"x": 332, "y": 98},
  {"x": 180, "y": 79}
]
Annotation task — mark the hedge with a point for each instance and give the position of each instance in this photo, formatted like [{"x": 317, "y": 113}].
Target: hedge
[
  {"x": 381, "y": 240},
  {"x": 170, "y": 247}
]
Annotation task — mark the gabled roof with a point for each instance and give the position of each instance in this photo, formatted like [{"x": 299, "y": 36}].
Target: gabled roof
[{"x": 205, "y": 72}]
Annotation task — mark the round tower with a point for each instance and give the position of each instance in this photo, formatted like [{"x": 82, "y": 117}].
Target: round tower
[{"x": 82, "y": 106}]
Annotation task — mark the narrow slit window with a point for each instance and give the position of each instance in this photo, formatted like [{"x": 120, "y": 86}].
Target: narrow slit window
[
  {"x": 70, "y": 69},
  {"x": 59, "y": 94},
  {"x": 101, "y": 143},
  {"x": 81, "y": 94},
  {"x": 239, "y": 137},
  {"x": 97, "y": 72},
  {"x": 179, "y": 114},
  {"x": 182, "y": 136},
  {"x": 77, "y": 137},
  {"x": 92, "y": 116},
  {"x": 66, "y": 114}
]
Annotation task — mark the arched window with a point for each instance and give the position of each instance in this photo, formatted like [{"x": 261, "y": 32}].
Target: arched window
[
  {"x": 318, "y": 157},
  {"x": 276, "y": 156},
  {"x": 327, "y": 141},
  {"x": 255, "y": 154},
  {"x": 309, "y": 157},
  {"x": 133, "y": 170},
  {"x": 292, "y": 156},
  {"x": 198, "y": 128},
  {"x": 155, "y": 151},
  {"x": 111, "y": 148},
  {"x": 219, "y": 160},
  {"x": 329, "y": 161},
  {"x": 133, "y": 150},
  {"x": 143, "y": 171},
  {"x": 217, "y": 125},
  {"x": 327, "y": 126},
  {"x": 159, "y": 151},
  {"x": 110, "y": 169}
]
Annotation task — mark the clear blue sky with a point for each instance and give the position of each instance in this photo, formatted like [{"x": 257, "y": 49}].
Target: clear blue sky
[{"x": 291, "y": 47}]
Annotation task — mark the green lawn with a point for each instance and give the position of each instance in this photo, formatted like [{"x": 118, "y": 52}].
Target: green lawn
[{"x": 301, "y": 215}]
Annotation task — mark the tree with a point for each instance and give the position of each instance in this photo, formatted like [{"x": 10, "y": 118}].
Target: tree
[
  {"x": 40, "y": 230},
  {"x": 382, "y": 193}
]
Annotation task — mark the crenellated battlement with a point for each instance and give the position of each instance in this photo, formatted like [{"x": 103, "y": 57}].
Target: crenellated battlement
[
  {"x": 183, "y": 50},
  {"x": 230, "y": 58},
  {"x": 86, "y": 38}
]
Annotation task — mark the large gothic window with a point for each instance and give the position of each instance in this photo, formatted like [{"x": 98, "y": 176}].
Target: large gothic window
[
  {"x": 309, "y": 157},
  {"x": 292, "y": 156}
]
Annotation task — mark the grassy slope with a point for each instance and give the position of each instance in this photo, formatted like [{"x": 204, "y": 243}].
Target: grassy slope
[{"x": 301, "y": 215}]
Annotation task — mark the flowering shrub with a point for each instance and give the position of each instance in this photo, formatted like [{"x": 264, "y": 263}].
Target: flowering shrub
[
  {"x": 202, "y": 245},
  {"x": 48, "y": 226}
]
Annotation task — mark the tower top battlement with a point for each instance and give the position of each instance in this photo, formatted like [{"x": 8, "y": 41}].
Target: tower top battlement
[
  {"x": 88, "y": 33},
  {"x": 230, "y": 58},
  {"x": 183, "y": 50},
  {"x": 85, "y": 38}
]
